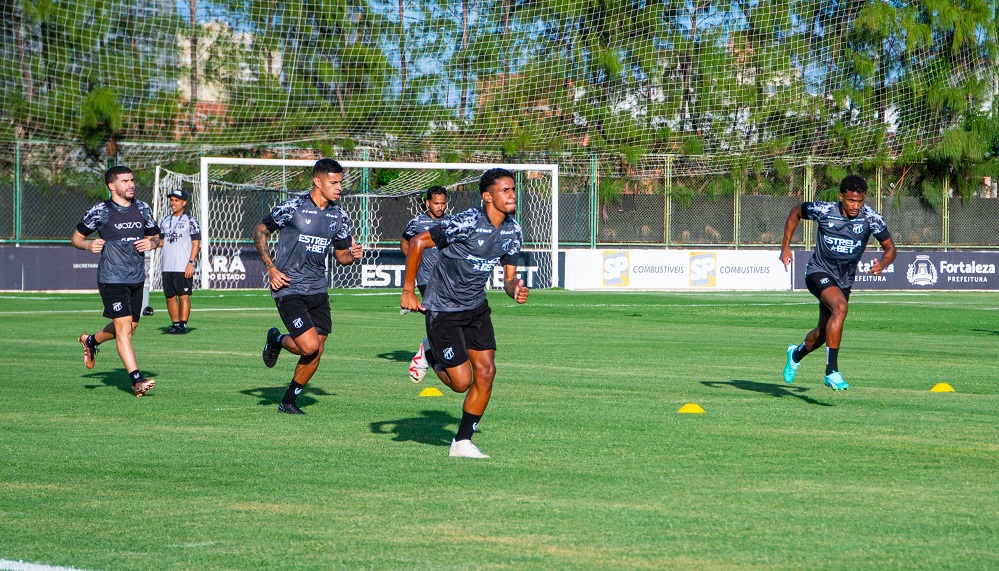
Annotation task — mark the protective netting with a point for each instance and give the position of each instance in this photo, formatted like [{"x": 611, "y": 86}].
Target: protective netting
[
  {"x": 166, "y": 181},
  {"x": 793, "y": 78},
  {"x": 379, "y": 201}
]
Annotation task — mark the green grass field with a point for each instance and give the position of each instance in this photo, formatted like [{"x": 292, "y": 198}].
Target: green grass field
[{"x": 592, "y": 467}]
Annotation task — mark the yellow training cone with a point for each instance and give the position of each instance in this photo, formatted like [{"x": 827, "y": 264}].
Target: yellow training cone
[
  {"x": 942, "y": 388},
  {"x": 431, "y": 392},
  {"x": 692, "y": 408}
]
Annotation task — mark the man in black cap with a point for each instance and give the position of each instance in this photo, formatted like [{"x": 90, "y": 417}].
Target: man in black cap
[{"x": 181, "y": 244}]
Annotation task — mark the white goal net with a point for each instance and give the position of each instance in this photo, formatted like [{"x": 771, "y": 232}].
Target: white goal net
[
  {"x": 165, "y": 182},
  {"x": 232, "y": 195}
]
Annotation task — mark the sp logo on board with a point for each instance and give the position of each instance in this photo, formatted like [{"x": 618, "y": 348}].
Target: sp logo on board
[
  {"x": 703, "y": 268},
  {"x": 615, "y": 267}
]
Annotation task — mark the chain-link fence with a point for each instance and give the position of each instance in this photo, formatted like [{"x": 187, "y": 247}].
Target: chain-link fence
[
  {"x": 657, "y": 201},
  {"x": 677, "y": 206}
]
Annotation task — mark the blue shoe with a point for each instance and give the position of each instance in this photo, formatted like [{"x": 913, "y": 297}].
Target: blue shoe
[
  {"x": 791, "y": 368},
  {"x": 835, "y": 381}
]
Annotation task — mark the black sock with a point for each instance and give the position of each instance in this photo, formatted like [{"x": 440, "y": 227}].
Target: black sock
[
  {"x": 799, "y": 353},
  {"x": 183, "y": 324},
  {"x": 831, "y": 364},
  {"x": 429, "y": 355},
  {"x": 292, "y": 392},
  {"x": 92, "y": 342},
  {"x": 136, "y": 376},
  {"x": 467, "y": 425}
]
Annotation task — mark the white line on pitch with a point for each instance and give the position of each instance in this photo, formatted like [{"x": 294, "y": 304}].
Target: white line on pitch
[
  {"x": 193, "y": 309},
  {"x": 7, "y": 565}
]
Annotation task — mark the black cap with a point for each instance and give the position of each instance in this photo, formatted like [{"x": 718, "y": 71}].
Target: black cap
[{"x": 178, "y": 193}]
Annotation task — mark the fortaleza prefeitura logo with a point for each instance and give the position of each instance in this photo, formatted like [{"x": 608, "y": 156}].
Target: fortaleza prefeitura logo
[{"x": 922, "y": 271}]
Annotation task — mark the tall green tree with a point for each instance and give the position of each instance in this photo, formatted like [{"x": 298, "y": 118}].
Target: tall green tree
[{"x": 79, "y": 65}]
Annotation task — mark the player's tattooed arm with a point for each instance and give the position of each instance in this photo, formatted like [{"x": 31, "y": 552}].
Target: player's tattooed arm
[
  {"x": 277, "y": 277},
  {"x": 148, "y": 243},
  {"x": 259, "y": 236}
]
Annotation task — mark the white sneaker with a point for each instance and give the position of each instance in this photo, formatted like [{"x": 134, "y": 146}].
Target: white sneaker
[
  {"x": 418, "y": 365},
  {"x": 465, "y": 449}
]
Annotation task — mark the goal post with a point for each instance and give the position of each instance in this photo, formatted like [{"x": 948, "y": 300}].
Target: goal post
[
  {"x": 233, "y": 194},
  {"x": 166, "y": 181}
]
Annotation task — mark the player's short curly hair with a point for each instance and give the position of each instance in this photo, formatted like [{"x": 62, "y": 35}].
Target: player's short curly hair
[
  {"x": 433, "y": 191},
  {"x": 326, "y": 166},
  {"x": 490, "y": 177},
  {"x": 855, "y": 183}
]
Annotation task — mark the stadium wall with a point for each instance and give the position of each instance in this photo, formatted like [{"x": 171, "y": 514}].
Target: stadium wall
[
  {"x": 920, "y": 271},
  {"x": 41, "y": 268},
  {"x": 636, "y": 269},
  {"x": 47, "y": 268}
]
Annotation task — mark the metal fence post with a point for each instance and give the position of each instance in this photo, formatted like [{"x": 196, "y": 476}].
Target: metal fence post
[
  {"x": 667, "y": 213},
  {"x": 594, "y": 204},
  {"x": 945, "y": 212},
  {"x": 365, "y": 213},
  {"x": 520, "y": 205},
  {"x": 879, "y": 185},
  {"x": 736, "y": 204},
  {"x": 284, "y": 172},
  {"x": 17, "y": 192},
  {"x": 807, "y": 194}
]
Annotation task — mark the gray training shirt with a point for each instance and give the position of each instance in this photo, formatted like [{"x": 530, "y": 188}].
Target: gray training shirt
[
  {"x": 841, "y": 240},
  {"x": 470, "y": 247},
  {"x": 418, "y": 225},
  {"x": 304, "y": 242},
  {"x": 120, "y": 227},
  {"x": 178, "y": 232}
]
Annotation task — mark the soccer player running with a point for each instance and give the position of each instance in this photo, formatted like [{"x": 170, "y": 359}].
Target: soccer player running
[
  {"x": 309, "y": 223},
  {"x": 844, "y": 228},
  {"x": 462, "y": 342},
  {"x": 434, "y": 204},
  {"x": 127, "y": 230},
  {"x": 181, "y": 244}
]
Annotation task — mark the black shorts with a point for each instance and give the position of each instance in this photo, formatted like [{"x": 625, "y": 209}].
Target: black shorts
[
  {"x": 423, "y": 290},
  {"x": 174, "y": 284},
  {"x": 303, "y": 312},
  {"x": 452, "y": 334},
  {"x": 820, "y": 281},
  {"x": 121, "y": 300}
]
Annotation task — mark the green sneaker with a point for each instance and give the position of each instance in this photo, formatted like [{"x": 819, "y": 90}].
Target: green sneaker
[
  {"x": 791, "y": 368},
  {"x": 835, "y": 381}
]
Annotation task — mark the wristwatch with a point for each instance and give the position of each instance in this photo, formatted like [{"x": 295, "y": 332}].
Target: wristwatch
[{"x": 190, "y": 262}]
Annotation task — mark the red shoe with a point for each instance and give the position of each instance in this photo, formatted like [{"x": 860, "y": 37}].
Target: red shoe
[
  {"x": 418, "y": 365},
  {"x": 88, "y": 353}
]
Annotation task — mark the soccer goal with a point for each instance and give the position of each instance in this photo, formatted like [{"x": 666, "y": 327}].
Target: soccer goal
[
  {"x": 166, "y": 181},
  {"x": 232, "y": 195}
]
